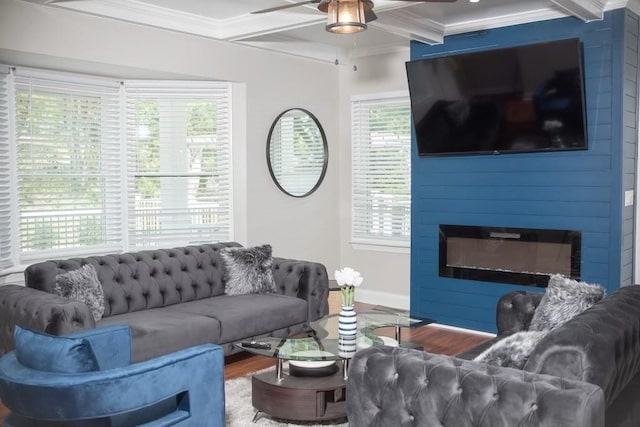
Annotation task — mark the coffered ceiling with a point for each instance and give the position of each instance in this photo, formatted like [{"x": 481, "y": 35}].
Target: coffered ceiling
[{"x": 300, "y": 30}]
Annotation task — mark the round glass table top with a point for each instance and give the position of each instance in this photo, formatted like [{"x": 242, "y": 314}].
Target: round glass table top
[{"x": 323, "y": 344}]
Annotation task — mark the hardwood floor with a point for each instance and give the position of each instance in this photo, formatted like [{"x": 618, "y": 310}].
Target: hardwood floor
[{"x": 434, "y": 339}]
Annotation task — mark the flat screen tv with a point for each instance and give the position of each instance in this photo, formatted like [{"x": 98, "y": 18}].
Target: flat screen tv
[{"x": 517, "y": 99}]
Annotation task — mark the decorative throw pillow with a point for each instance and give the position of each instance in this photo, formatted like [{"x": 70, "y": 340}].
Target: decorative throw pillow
[
  {"x": 563, "y": 299},
  {"x": 50, "y": 353},
  {"x": 512, "y": 351},
  {"x": 248, "y": 270},
  {"x": 82, "y": 285}
]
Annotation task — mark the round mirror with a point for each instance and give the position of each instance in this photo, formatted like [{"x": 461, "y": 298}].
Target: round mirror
[{"x": 297, "y": 152}]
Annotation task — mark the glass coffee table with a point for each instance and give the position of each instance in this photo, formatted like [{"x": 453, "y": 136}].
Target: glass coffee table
[{"x": 314, "y": 387}]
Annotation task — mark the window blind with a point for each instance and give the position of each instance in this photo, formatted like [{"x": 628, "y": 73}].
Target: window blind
[
  {"x": 5, "y": 172},
  {"x": 179, "y": 162},
  {"x": 381, "y": 170},
  {"x": 68, "y": 164}
]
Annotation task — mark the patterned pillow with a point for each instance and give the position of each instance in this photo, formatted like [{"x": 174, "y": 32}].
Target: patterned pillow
[
  {"x": 82, "y": 285},
  {"x": 563, "y": 299},
  {"x": 512, "y": 351},
  {"x": 248, "y": 270}
]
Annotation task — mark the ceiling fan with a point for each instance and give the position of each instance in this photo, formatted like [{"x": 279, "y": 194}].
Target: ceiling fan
[{"x": 345, "y": 16}]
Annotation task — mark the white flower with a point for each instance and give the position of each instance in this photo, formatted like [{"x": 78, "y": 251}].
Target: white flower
[{"x": 348, "y": 277}]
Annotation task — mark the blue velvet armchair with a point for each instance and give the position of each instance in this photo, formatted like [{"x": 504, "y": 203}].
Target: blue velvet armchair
[{"x": 184, "y": 388}]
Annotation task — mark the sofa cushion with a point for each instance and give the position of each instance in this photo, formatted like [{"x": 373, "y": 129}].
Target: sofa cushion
[
  {"x": 512, "y": 351},
  {"x": 82, "y": 285},
  {"x": 163, "y": 330},
  {"x": 563, "y": 299},
  {"x": 245, "y": 316},
  {"x": 248, "y": 270},
  {"x": 50, "y": 353}
]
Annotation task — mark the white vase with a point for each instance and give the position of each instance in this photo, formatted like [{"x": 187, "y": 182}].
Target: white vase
[
  {"x": 347, "y": 331},
  {"x": 347, "y": 321}
]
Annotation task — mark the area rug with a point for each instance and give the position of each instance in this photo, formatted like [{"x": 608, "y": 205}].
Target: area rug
[{"x": 239, "y": 412}]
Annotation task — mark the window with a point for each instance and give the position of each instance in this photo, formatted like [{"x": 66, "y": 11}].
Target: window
[
  {"x": 179, "y": 169},
  {"x": 67, "y": 146},
  {"x": 5, "y": 183},
  {"x": 91, "y": 165},
  {"x": 381, "y": 169}
]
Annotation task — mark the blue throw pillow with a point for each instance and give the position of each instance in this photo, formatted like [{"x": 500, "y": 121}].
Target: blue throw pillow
[{"x": 50, "y": 353}]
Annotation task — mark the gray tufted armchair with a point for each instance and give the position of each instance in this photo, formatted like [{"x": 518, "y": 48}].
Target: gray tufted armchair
[
  {"x": 583, "y": 373},
  {"x": 393, "y": 387}
]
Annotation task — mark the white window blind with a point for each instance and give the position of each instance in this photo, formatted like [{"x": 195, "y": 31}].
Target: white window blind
[
  {"x": 67, "y": 133},
  {"x": 179, "y": 162},
  {"x": 5, "y": 171},
  {"x": 381, "y": 170}
]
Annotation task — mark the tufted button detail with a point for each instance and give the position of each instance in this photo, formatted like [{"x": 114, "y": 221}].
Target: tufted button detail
[
  {"x": 534, "y": 407},
  {"x": 395, "y": 375},
  {"x": 495, "y": 396}
]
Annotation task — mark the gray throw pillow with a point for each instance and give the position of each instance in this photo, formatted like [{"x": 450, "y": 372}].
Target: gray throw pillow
[
  {"x": 563, "y": 299},
  {"x": 82, "y": 285},
  {"x": 248, "y": 270},
  {"x": 512, "y": 351}
]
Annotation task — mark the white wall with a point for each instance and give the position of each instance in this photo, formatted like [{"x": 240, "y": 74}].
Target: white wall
[
  {"x": 386, "y": 274},
  {"x": 307, "y": 228}
]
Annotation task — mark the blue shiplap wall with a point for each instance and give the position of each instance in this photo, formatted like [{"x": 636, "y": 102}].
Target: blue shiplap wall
[{"x": 576, "y": 190}]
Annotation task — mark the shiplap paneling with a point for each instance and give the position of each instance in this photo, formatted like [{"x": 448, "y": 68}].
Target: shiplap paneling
[{"x": 577, "y": 190}]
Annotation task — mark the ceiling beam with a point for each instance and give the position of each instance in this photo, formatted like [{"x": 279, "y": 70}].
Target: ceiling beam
[
  {"x": 404, "y": 23},
  {"x": 587, "y": 10}
]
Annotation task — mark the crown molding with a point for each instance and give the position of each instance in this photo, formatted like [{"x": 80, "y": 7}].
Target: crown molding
[
  {"x": 587, "y": 10},
  {"x": 393, "y": 17},
  {"x": 411, "y": 26}
]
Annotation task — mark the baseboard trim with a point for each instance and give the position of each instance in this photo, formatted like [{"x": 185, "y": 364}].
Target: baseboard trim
[
  {"x": 402, "y": 302},
  {"x": 469, "y": 331},
  {"x": 383, "y": 298}
]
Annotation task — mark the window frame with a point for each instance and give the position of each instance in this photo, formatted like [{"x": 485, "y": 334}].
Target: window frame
[{"x": 16, "y": 260}]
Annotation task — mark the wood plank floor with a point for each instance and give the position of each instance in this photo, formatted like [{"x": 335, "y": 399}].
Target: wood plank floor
[{"x": 434, "y": 339}]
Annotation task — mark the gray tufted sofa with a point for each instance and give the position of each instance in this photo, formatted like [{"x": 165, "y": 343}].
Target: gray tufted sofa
[
  {"x": 170, "y": 298},
  {"x": 582, "y": 374}
]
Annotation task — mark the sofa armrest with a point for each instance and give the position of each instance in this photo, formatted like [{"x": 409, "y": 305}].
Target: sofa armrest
[
  {"x": 515, "y": 310},
  {"x": 39, "y": 310},
  {"x": 306, "y": 280},
  {"x": 398, "y": 386},
  {"x": 600, "y": 345}
]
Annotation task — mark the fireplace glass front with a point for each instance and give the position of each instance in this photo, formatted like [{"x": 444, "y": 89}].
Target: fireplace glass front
[{"x": 523, "y": 256}]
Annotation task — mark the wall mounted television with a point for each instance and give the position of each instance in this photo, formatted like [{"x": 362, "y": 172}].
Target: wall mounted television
[{"x": 517, "y": 99}]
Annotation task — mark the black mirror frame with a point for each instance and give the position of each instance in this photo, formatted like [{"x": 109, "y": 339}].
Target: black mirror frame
[{"x": 325, "y": 149}]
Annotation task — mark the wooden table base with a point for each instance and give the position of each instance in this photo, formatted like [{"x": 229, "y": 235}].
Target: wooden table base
[{"x": 300, "y": 398}]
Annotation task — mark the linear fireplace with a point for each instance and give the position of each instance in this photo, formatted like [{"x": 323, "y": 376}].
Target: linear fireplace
[{"x": 523, "y": 256}]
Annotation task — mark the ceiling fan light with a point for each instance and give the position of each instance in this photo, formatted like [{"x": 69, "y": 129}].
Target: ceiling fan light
[{"x": 345, "y": 16}]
